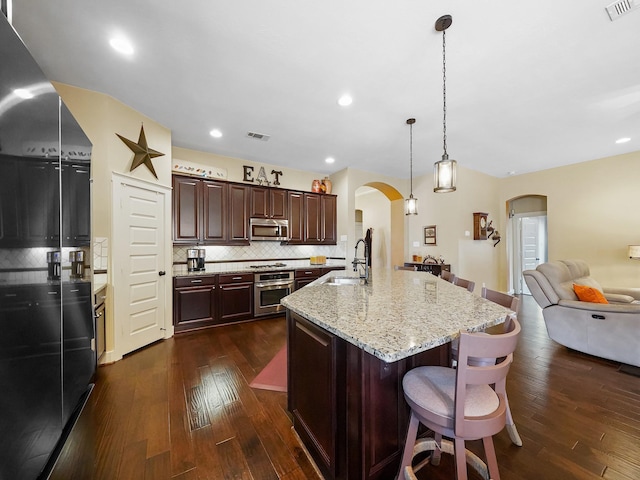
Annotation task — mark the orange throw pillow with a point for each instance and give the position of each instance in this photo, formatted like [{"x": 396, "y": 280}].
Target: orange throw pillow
[{"x": 589, "y": 294}]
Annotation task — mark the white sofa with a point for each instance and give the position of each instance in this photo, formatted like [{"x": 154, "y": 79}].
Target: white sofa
[{"x": 609, "y": 331}]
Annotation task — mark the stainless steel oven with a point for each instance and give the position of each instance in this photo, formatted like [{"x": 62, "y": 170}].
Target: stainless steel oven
[{"x": 269, "y": 289}]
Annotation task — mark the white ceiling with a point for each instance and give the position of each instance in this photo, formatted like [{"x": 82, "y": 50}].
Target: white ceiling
[{"x": 529, "y": 85}]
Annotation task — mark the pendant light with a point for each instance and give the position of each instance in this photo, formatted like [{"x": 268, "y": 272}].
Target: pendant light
[
  {"x": 411, "y": 204},
  {"x": 444, "y": 171}
]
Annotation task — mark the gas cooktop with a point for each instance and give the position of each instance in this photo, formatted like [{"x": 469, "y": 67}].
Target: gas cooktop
[{"x": 273, "y": 265}]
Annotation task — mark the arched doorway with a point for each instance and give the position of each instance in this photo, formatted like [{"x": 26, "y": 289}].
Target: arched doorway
[
  {"x": 381, "y": 208},
  {"x": 527, "y": 242}
]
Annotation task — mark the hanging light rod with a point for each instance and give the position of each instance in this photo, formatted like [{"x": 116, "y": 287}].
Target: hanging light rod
[
  {"x": 411, "y": 204},
  {"x": 444, "y": 171}
]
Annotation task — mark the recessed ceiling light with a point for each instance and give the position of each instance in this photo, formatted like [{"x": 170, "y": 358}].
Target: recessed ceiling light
[
  {"x": 121, "y": 45},
  {"x": 623, "y": 140},
  {"x": 345, "y": 100},
  {"x": 22, "y": 93},
  {"x": 329, "y": 160},
  {"x": 215, "y": 133}
]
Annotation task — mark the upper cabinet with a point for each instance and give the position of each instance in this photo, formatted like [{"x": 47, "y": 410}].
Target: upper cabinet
[
  {"x": 312, "y": 218},
  {"x": 268, "y": 203},
  {"x": 209, "y": 212}
]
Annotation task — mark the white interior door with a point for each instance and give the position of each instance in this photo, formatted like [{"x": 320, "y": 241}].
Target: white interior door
[
  {"x": 531, "y": 248},
  {"x": 139, "y": 262}
]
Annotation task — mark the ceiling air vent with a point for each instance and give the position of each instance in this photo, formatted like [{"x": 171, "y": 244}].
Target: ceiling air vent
[
  {"x": 618, "y": 9},
  {"x": 259, "y": 136}
]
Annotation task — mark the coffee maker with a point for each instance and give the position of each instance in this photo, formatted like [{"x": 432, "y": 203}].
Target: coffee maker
[
  {"x": 195, "y": 259},
  {"x": 53, "y": 265},
  {"x": 76, "y": 258}
]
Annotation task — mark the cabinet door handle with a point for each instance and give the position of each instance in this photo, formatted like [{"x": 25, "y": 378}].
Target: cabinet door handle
[
  {"x": 236, "y": 278},
  {"x": 196, "y": 281},
  {"x": 162, "y": 273}
]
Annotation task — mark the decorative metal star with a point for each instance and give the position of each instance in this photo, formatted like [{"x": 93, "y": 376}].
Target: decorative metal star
[{"x": 142, "y": 152}]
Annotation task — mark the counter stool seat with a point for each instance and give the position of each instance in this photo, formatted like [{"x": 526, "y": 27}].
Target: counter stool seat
[{"x": 465, "y": 403}]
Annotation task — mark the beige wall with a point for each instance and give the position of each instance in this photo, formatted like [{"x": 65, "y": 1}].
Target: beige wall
[
  {"x": 290, "y": 179},
  {"x": 452, "y": 214},
  {"x": 591, "y": 208},
  {"x": 376, "y": 214}
]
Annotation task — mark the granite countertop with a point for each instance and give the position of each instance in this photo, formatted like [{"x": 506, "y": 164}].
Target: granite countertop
[
  {"x": 245, "y": 267},
  {"x": 397, "y": 314}
]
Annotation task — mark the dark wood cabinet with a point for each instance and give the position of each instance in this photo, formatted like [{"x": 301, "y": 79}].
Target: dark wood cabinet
[
  {"x": 10, "y": 204},
  {"x": 328, "y": 219},
  {"x": 39, "y": 192},
  {"x": 318, "y": 418},
  {"x": 238, "y": 214},
  {"x": 296, "y": 216},
  {"x": 209, "y": 212},
  {"x": 351, "y": 413},
  {"x": 195, "y": 302},
  {"x": 268, "y": 203},
  {"x": 215, "y": 225},
  {"x": 305, "y": 276},
  {"x": 76, "y": 204},
  {"x": 187, "y": 193},
  {"x": 236, "y": 297},
  {"x": 312, "y": 218}
]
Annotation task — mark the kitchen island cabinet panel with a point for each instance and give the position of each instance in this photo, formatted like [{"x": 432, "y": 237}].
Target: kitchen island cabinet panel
[
  {"x": 314, "y": 404},
  {"x": 352, "y": 406}
]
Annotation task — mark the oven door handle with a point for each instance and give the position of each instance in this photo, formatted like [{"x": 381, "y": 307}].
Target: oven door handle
[{"x": 271, "y": 286}]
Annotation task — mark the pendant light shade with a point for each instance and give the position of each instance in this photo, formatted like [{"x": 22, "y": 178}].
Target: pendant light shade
[
  {"x": 444, "y": 175},
  {"x": 444, "y": 171},
  {"x": 411, "y": 203}
]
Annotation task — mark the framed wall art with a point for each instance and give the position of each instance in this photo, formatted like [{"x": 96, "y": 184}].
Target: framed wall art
[{"x": 430, "y": 235}]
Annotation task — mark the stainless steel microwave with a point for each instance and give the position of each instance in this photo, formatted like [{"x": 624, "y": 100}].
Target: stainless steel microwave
[{"x": 269, "y": 229}]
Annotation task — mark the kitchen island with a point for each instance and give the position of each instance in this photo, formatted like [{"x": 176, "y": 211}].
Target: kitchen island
[{"x": 349, "y": 347}]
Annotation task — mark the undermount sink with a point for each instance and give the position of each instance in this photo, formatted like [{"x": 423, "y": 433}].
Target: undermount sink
[{"x": 342, "y": 281}]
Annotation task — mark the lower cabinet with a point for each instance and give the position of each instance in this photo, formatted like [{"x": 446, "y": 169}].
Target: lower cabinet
[
  {"x": 195, "y": 302},
  {"x": 305, "y": 276},
  {"x": 201, "y": 301},
  {"x": 236, "y": 297}
]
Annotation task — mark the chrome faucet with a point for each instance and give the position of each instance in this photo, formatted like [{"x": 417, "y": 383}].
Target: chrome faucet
[{"x": 362, "y": 261}]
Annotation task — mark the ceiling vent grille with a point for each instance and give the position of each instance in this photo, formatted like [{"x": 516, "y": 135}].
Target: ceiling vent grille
[
  {"x": 620, "y": 8},
  {"x": 259, "y": 136}
]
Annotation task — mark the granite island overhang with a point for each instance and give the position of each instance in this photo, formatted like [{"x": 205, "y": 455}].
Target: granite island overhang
[
  {"x": 395, "y": 315},
  {"x": 349, "y": 345}
]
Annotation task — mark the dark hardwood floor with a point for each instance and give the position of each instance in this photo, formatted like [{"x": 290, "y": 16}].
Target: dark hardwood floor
[{"x": 183, "y": 409}]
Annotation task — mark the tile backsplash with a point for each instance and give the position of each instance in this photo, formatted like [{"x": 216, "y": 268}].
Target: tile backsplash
[
  {"x": 262, "y": 251},
  {"x": 100, "y": 253}
]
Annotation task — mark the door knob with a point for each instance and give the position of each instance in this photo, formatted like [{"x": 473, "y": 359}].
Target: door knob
[{"x": 162, "y": 272}]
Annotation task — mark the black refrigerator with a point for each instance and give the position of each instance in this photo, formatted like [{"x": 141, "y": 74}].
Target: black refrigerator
[{"x": 47, "y": 332}]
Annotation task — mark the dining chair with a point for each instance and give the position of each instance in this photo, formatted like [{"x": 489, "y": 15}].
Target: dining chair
[
  {"x": 462, "y": 403},
  {"x": 461, "y": 282},
  {"x": 510, "y": 302},
  {"x": 448, "y": 276}
]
